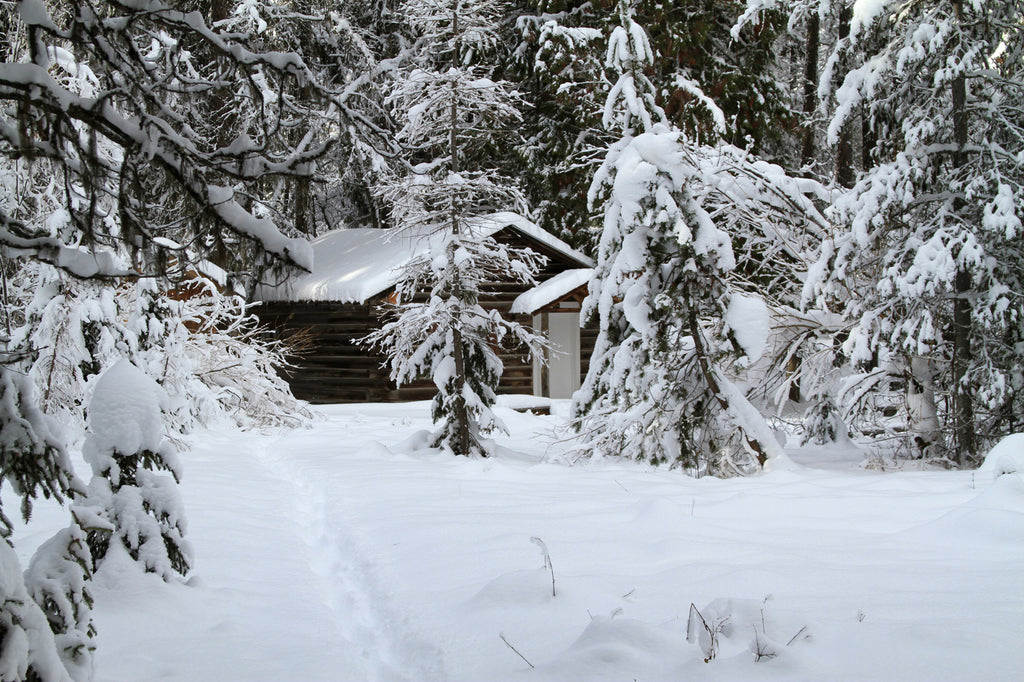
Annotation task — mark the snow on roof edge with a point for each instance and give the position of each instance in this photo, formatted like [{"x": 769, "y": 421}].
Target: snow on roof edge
[
  {"x": 496, "y": 221},
  {"x": 550, "y": 291},
  {"x": 352, "y": 265}
]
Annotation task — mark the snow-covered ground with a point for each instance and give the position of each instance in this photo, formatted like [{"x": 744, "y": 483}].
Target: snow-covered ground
[{"x": 332, "y": 553}]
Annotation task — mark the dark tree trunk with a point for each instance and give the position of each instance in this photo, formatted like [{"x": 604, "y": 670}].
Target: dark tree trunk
[
  {"x": 461, "y": 412},
  {"x": 704, "y": 362},
  {"x": 963, "y": 399},
  {"x": 219, "y": 10},
  {"x": 844, "y": 154},
  {"x": 868, "y": 140},
  {"x": 807, "y": 148}
]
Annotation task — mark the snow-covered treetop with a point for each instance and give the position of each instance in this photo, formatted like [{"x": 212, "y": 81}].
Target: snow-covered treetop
[
  {"x": 426, "y": 98},
  {"x": 466, "y": 26},
  {"x": 630, "y": 105},
  {"x": 125, "y": 411}
]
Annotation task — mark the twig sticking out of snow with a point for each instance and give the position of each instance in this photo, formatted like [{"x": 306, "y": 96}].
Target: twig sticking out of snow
[
  {"x": 799, "y": 632},
  {"x": 547, "y": 561},
  {"x": 708, "y": 638},
  {"x": 762, "y": 647},
  {"x": 515, "y": 649}
]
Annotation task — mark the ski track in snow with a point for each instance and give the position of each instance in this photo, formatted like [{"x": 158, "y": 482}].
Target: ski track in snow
[{"x": 351, "y": 588}]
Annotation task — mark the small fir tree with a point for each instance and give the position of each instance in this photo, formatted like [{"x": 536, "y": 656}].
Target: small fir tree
[
  {"x": 125, "y": 448},
  {"x": 58, "y": 580},
  {"x": 33, "y": 462},
  {"x": 453, "y": 113}
]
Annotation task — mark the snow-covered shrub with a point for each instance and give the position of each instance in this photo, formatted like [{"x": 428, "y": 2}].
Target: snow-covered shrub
[
  {"x": 1007, "y": 457},
  {"x": 234, "y": 360},
  {"x": 73, "y": 330},
  {"x": 58, "y": 580},
  {"x": 125, "y": 448},
  {"x": 734, "y": 624},
  {"x": 212, "y": 358},
  {"x": 823, "y": 423},
  {"x": 203, "y": 346},
  {"x": 27, "y": 647}
]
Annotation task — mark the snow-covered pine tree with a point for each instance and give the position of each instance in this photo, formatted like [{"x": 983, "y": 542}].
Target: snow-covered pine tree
[
  {"x": 33, "y": 462},
  {"x": 453, "y": 112},
  {"x": 58, "y": 581},
  {"x": 126, "y": 448},
  {"x": 660, "y": 292},
  {"x": 931, "y": 250}
]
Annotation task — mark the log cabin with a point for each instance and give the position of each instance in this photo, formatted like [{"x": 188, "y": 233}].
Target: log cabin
[{"x": 355, "y": 271}]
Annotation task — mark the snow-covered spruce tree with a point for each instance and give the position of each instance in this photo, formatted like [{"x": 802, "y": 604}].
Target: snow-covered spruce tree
[
  {"x": 33, "y": 462},
  {"x": 28, "y": 646},
  {"x": 58, "y": 581},
  {"x": 73, "y": 330},
  {"x": 931, "y": 255},
  {"x": 133, "y": 508},
  {"x": 660, "y": 291},
  {"x": 452, "y": 113}
]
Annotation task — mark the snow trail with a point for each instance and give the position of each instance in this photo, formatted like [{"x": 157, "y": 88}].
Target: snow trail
[{"x": 350, "y": 584}]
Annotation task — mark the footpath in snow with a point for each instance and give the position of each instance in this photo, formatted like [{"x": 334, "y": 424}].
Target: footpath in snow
[{"x": 336, "y": 553}]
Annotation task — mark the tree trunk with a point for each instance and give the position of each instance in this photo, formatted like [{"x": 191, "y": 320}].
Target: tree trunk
[
  {"x": 807, "y": 148},
  {"x": 844, "y": 154},
  {"x": 868, "y": 140},
  {"x": 461, "y": 411},
  {"x": 704, "y": 362},
  {"x": 963, "y": 400},
  {"x": 219, "y": 10},
  {"x": 303, "y": 207},
  {"x": 924, "y": 419}
]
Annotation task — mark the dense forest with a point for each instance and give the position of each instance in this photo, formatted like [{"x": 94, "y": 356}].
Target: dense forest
[{"x": 803, "y": 210}]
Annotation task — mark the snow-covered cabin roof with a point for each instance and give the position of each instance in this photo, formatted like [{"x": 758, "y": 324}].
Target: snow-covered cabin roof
[
  {"x": 548, "y": 292},
  {"x": 352, "y": 265}
]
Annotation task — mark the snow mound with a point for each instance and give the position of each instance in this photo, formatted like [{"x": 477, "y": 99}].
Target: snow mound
[
  {"x": 738, "y": 628},
  {"x": 1007, "y": 457},
  {"x": 613, "y": 648},
  {"x": 516, "y": 588},
  {"x": 124, "y": 413},
  {"x": 750, "y": 323}
]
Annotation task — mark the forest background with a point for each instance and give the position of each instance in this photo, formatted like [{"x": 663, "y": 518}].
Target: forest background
[{"x": 804, "y": 210}]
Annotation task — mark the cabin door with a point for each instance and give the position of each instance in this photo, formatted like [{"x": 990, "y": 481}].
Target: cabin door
[{"x": 563, "y": 370}]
